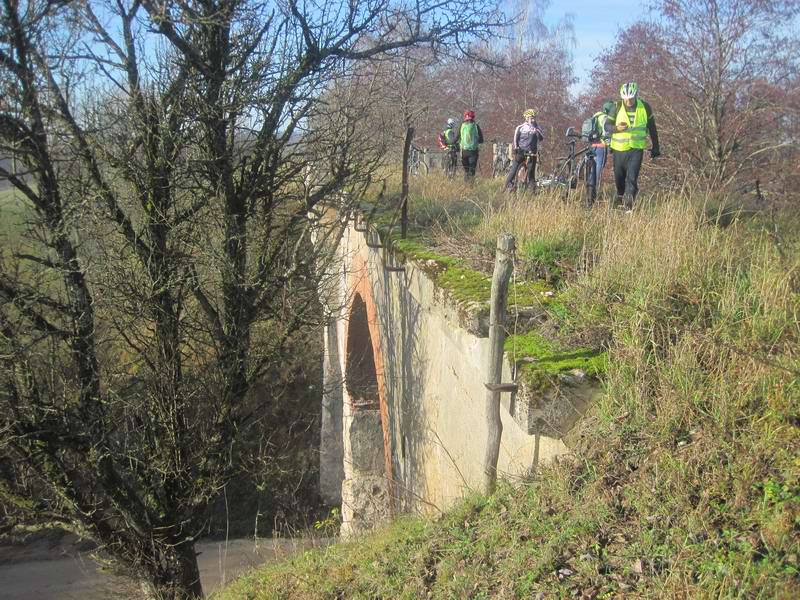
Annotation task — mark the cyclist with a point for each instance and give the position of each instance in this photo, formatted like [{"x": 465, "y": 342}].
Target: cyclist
[
  {"x": 448, "y": 140},
  {"x": 449, "y": 136},
  {"x": 603, "y": 122},
  {"x": 469, "y": 137},
  {"x": 526, "y": 142},
  {"x": 633, "y": 122}
]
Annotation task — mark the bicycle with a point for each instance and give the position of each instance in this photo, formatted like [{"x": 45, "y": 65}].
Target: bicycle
[
  {"x": 416, "y": 162},
  {"x": 451, "y": 161},
  {"x": 521, "y": 183},
  {"x": 577, "y": 167}
]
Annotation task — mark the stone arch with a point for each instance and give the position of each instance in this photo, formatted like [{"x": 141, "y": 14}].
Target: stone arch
[
  {"x": 364, "y": 380},
  {"x": 368, "y": 489}
]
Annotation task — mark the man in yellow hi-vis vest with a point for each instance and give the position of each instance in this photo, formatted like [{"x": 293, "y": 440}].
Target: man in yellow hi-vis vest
[{"x": 633, "y": 123}]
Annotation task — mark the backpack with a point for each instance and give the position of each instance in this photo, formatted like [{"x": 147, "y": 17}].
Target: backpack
[
  {"x": 450, "y": 136},
  {"x": 589, "y": 129},
  {"x": 469, "y": 136}
]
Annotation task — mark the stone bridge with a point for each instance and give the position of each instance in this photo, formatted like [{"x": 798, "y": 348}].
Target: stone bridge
[{"x": 403, "y": 417}]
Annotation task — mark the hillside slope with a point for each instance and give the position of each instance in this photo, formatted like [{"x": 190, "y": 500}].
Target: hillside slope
[{"x": 685, "y": 481}]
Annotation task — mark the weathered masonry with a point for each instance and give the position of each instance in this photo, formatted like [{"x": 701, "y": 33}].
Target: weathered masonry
[{"x": 404, "y": 425}]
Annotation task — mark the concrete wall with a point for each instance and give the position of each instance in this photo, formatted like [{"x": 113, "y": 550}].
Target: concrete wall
[{"x": 430, "y": 376}]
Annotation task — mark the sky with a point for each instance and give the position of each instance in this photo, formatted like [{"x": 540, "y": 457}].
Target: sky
[{"x": 596, "y": 25}]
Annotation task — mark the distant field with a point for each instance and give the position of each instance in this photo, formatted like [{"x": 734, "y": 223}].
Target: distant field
[
  {"x": 12, "y": 211},
  {"x": 4, "y": 184}
]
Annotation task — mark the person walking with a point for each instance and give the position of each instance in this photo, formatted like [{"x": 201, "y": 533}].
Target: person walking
[
  {"x": 603, "y": 122},
  {"x": 633, "y": 123},
  {"x": 525, "y": 146},
  {"x": 449, "y": 136},
  {"x": 469, "y": 137},
  {"x": 448, "y": 141}
]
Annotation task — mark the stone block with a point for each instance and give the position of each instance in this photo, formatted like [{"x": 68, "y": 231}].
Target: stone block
[
  {"x": 365, "y": 503},
  {"x": 366, "y": 442},
  {"x": 554, "y": 410}
]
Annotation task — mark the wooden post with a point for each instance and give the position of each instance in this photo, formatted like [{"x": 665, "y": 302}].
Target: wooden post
[
  {"x": 404, "y": 188},
  {"x": 503, "y": 267}
]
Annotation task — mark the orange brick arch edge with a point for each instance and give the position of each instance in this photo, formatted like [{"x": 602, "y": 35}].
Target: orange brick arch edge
[{"x": 360, "y": 285}]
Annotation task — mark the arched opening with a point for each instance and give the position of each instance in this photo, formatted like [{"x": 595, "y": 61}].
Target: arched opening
[
  {"x": 361, "y": 379},
  {"x": 367, "y": 490}
]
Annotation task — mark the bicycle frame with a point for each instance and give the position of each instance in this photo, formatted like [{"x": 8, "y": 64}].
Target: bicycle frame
[
  {"x": 522, "y": 174},
  {"x": 416, "y": 165},
  {"x": 569, "y": 170},
  {"x": 451, "y": 161}
]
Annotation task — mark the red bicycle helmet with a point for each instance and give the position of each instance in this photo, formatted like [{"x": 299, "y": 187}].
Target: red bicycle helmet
[{"x": 469, "y": 115}]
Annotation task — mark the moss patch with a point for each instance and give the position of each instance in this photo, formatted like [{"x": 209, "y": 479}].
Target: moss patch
[
  {"x": 414, "y": 248},
  {"x": 538, "y": 359},
  {"x": 467, "y": 284}
]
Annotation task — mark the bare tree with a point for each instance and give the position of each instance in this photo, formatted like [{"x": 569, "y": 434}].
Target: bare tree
[{"x": 163, "y": 149}]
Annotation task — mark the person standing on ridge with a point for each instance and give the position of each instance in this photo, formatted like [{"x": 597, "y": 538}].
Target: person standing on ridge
[
  {"x": 468, "y": 138},
  {"x": 604, "y": 125},
  {"x": 448, "y": 140},
  {"x": 633, "y": 123},
  {"x": 449, "y": 136},
  {"x": 525, "y": 146}
]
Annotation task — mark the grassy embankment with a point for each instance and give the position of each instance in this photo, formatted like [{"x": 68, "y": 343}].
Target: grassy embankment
[{"x": 685, "y": 482}]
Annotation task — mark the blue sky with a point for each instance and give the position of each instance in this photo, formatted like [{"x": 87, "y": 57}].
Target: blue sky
[{"x": 596, "y": 25}]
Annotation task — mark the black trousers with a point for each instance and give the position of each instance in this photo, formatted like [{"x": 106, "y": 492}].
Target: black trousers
[
  {"x": 626, "y": 174},
  {"x": 469, "y": 160},
  {"x": 530, "y": 176}
]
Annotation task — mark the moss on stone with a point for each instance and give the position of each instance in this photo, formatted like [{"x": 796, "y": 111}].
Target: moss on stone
[
  {"x": 538, "y": 359},
  {"x": 414, "y": 248},
  {"x": 530, "y": 293},
  {"x": 466, "y": 284}
]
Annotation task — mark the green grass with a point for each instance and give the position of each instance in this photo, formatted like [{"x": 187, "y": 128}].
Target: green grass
[
  {"x": 13, "y": 213},
  {"x": 685, "y": 481},
  {"x": 552, "y": 257}
]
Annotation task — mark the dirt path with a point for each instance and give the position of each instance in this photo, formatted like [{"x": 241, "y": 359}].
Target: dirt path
[{"x": 39, "y": 571}]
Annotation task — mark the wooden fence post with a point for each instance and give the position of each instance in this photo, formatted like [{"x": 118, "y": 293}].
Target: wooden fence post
[
  {"x": 404, "y": 185},
  {"x": 503, "y": 267}
]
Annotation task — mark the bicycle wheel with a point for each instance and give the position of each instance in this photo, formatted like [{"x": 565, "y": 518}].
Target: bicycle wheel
[
  {"x": 418, "y": 168},
  {"x": 452, "y": 164}
]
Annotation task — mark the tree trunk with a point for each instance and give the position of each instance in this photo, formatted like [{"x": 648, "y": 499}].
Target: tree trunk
[{"x": 180, "y": 577}]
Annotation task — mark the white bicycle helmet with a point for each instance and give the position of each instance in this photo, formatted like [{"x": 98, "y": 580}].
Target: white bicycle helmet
[
  {"x": 629, "y": 90},
  {"x": 451, "y": 122}
]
